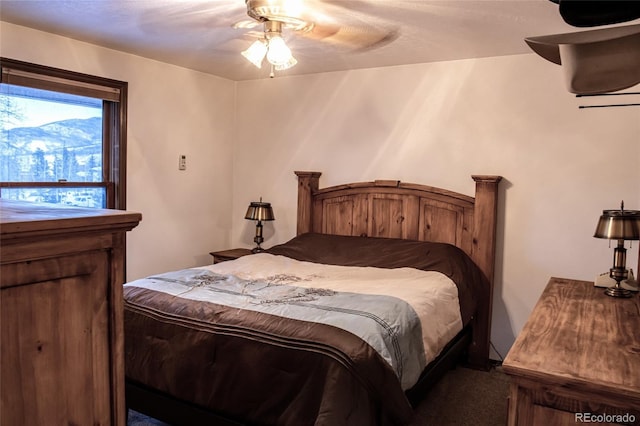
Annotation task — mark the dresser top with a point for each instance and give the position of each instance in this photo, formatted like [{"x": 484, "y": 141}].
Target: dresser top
[
  {"x": 21, "y": 217},
  {"x": 577, "y": 336}
]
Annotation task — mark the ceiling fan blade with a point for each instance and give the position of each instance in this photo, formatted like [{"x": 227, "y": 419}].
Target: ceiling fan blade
[
  {"x": 200, "y": 16},
  {"x": 246, "y": 24},
  {"x": 593, "y": 13},
  {"x": 596, "y": 61},
  {"x": 347, "y": 24},
  {"x": 356, "y": 37}
]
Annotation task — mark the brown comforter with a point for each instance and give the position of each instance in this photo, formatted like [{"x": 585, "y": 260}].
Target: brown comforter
[
  {"x": 392, "y": 253},
  {"x": 265, "y": 369}
]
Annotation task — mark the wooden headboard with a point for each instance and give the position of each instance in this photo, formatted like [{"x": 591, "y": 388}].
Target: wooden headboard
[{"x": 394, "y": 209}]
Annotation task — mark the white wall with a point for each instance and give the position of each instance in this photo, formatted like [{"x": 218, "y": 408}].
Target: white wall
[
  {"x": 438, "y": 124},
  {"x": 431, "y": 123},
  {"x": 171, "y": 111}
]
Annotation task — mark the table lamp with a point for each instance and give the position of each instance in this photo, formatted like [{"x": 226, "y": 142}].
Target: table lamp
[
  {"x": 259, "y": 211},
  {"x": 619, "y": 225}
]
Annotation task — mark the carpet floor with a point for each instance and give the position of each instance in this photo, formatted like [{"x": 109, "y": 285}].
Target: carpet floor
[{"x": 462, "y": 397}]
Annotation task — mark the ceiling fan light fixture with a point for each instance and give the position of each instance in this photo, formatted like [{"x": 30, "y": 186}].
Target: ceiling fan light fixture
[
  {"x": 290, "y": 63},
  {"x": 256, "y": 53},
  {"x": 278, "y": 52}
]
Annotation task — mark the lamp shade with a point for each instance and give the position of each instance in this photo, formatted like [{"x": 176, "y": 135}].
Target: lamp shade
[
  {"x": 278, "y": 52},
  {"x": 619, "y": 225},
  {"x": 256, "y": 52},
  {"x": 259, "y": 210}
]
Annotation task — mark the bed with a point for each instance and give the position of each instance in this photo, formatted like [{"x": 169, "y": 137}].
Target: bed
[{"x": 384, "y": 287}]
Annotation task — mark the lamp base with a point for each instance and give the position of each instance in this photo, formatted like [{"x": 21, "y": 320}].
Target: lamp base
[{"x": 617, "y": 291}]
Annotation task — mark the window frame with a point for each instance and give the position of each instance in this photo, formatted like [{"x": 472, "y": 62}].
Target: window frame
[{"x": 114, "y": 121}]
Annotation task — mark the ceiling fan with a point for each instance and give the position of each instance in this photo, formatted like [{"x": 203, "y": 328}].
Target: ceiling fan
[
  {"x": 324, "y": 21},
  {"x": 596, "y": 61},
  {"x": 594, "y": 13}
]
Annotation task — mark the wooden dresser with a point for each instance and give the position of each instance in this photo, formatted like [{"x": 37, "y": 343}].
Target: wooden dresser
[
  {"x": 579, "y": 352},
  {"x": 61, "y": 310}
]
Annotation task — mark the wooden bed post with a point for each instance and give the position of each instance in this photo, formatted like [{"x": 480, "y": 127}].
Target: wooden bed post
[
  {"x": 308, "y": 183},
  {"x": 483, "y": 254}
]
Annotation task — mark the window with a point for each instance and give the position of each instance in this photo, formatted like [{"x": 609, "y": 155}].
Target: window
[{"x": 62, "y": 136}]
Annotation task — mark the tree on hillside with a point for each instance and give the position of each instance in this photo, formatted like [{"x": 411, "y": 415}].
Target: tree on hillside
[
  {"x": 93, "y": 169},
  {"x": 39, "y": 168},
  {"x": 10, "y": 113},
  {"x": 70, "y": 165}
]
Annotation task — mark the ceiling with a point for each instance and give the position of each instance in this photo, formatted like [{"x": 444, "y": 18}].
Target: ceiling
[{"x": 200, "y": 34}]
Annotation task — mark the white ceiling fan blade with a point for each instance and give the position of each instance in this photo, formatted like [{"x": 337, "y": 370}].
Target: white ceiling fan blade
[
  {"x": 246, "y": 24},
  {"x": 195, "y": 15},
  {"x": 352, "y": 37}
]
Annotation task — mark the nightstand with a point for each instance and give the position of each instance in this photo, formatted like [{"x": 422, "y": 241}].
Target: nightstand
[
  {"x": 232, "y": 254},
  {"x": 577, "y": 357}
]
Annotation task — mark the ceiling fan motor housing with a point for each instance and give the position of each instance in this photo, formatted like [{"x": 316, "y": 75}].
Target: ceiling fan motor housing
[{"x": 275, "y": 10}]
